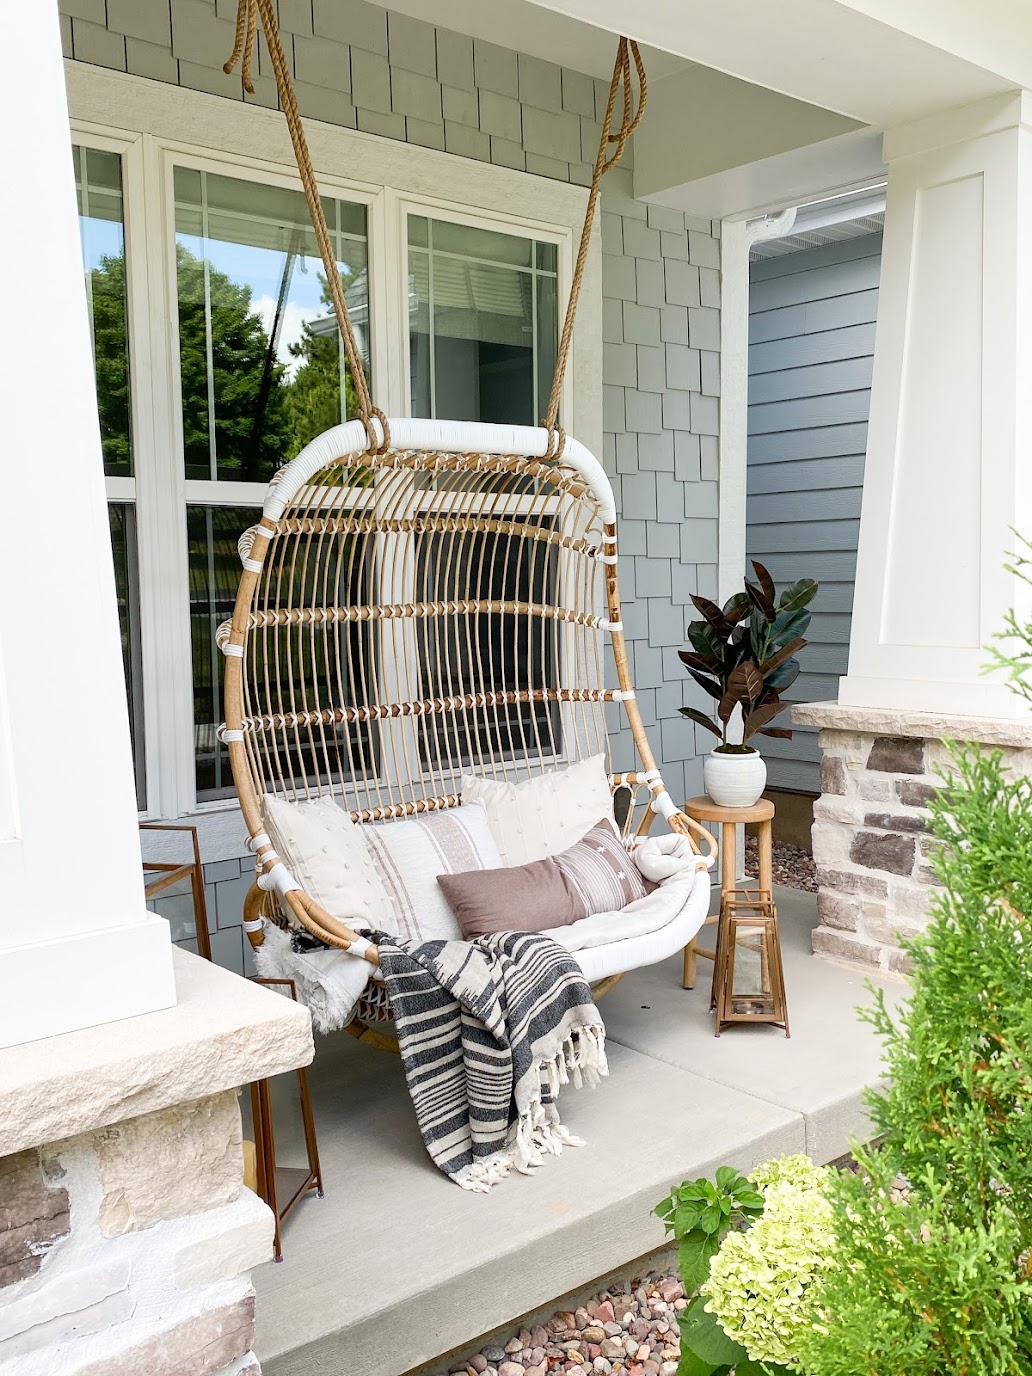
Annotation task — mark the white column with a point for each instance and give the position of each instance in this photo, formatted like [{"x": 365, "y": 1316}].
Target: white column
[
  {"x": 949, "y": 457},
  {"x": 77, "y": 945}
]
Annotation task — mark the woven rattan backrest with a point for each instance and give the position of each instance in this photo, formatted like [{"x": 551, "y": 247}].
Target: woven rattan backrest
[
  {"x": 408, "y": 617},
  {"x": 423, "y": 615}
]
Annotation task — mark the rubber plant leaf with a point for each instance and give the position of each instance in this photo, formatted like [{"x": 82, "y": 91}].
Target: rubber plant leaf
[
  {"x": 798, "y": 594},
  {"x": 711, "y": 612},
  {"x": 707, "y": 663},
  {"x": 726, "y": 706},
  {"x": 699, "y": 718},
  {"x": 765, "y": 581},
  {"x": 707, "y": 683},
  {"x": 737, "y": 608},
  {"x": 745, "y": 683},
  {"x": 784, "y": 676},
  {"x": 782, "y": 732},
  {"x": 759, "y": 717},
  {"x": 762, "y": 604},
  {"x": 706, "y": 641},
  {"x": 788, "y": 624},
  {"x": 786, "y": 652}
]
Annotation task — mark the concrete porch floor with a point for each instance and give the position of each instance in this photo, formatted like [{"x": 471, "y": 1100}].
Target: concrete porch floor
[{"x": 396, "y": 1265}]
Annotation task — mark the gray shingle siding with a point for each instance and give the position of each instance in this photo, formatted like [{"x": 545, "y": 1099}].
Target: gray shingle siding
[
  {"x": 363, "y": 67},
  {"x": 811, "y": 346}
]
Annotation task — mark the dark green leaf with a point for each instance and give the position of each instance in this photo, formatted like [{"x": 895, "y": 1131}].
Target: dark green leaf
[
  {"x": 711, "y": 1218},
  {"x": 798, "y": 594},
  {"x": 693, "y": 714},
  {"x": 737, "y": 608},
  {"x": 693, "y": 1259},
  {"x": 702, "y": 1333},
  {"x": 726, "y": 1177},
  {"x": 788, "y": 624},
  {"x": 692, "y": 1189},
  {"x": 686, "y": 1218},
  {"x": 785, "y": 675},
  {"x": 708, "y": 684},
  {"x": 706, "y": 641},
  {"x": 691, "y": 1365},
  {"x": 786, "y": 652}
]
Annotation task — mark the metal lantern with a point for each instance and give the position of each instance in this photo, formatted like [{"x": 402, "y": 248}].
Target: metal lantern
[{"x": 748, "y": 977}]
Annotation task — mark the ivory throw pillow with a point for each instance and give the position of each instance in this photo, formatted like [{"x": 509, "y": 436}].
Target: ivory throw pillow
[
  {"x": 327, "y": 855},
  {"x": 541, "y": 816},
  {"x": 409, "y": 855},
  {"x": 595, "y": 875}
]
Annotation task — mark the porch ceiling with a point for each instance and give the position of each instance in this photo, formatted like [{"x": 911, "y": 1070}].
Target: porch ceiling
[{"x": 396, "y": 1266}]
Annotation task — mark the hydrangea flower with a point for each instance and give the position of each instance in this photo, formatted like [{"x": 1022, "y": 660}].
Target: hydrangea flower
[{"x": 760, "y": 1276}]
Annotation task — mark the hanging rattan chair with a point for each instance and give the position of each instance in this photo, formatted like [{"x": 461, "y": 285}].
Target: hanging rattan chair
[{"x": 423, "y": 599}]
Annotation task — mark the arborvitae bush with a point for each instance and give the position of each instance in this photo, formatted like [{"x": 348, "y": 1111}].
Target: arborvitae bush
[{"x": 935, "y": 1278}]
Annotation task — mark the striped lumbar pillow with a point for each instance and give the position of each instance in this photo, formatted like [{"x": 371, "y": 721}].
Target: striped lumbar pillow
[
  {"x": 595, "y": 875},
  {"x": 409, "y": 855}
]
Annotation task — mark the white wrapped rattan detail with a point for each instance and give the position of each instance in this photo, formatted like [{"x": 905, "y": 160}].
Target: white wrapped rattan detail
[
  {"x": 254, "y": 925},
  {"x": 359, "y": 946},
  {"x": 664, "y": 805},
  {"x": 254, "y": 843},
  {"x": 623, "y": 695},
  {"x": 226, "y": 735},
  {"x": 612, "y": 626},
  {"x": 436, "y": 436},
  {"x": 280, "y": 879},
  {"x": 246, "y": 544}
]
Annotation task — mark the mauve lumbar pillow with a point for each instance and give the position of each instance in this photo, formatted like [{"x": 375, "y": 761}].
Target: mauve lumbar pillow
[{"x": 595, "y": 875}]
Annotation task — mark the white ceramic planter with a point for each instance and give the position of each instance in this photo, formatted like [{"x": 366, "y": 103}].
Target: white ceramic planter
[{"x": 734, "y": 780}]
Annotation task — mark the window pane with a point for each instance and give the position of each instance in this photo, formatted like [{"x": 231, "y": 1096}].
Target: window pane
[
  {"x": 486, "y": 652},
  {"x": 212, "y": 533},
  {"x": 98, "y": 185},
  {"x": 122, "y": 519},
  {"x": 482, "y": 323},
  {"x": 263, "y": 369}
]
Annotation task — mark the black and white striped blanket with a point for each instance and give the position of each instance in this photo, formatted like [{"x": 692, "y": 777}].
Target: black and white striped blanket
[{"x": 489, "y": 1031}]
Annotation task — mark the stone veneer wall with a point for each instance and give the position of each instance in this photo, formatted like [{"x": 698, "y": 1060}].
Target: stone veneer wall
[
  {"x": 365, "y": 67},
  {"x": 871, "y": 838},
  {"x": 125, "y": 1251}
]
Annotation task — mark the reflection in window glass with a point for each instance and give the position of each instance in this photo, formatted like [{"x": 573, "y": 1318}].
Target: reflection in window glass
[
  {"x": 262, "y": 364},
  {"x": 122, "y": 520},
  {"x": 330, "y": 665},
  {"x": 482, "y": 323},
  {"x": 98, "y": 185},
  {"x": 212, "y": 533},
  {"x": 487, "y": 651}
]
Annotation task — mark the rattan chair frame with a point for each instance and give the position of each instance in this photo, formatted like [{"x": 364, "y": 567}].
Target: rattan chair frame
[{"x": 423, "y": 678}]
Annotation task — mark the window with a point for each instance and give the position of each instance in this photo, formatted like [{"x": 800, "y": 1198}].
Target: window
[
  {"x": 262, "y": 371},
  {"x": 218, "y": 358},
  {"x": 483, "y": 311},
  {"x": 98, "y": 185}
]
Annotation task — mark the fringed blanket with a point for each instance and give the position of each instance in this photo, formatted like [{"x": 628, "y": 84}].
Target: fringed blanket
[{"x": 489, "y": 1032}]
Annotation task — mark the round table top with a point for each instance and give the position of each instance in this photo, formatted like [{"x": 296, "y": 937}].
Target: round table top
[{"x": 704, "y": 809}]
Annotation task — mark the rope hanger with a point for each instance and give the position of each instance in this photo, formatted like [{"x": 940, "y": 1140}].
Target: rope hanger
[{"x": 248, "y": 14}]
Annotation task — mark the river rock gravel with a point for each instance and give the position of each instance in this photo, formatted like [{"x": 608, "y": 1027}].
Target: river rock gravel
[{"x": 629, "y": 1328}]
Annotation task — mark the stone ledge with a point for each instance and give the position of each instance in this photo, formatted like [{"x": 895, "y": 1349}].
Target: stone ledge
[
  {"x": 884, "y": 721},
  {"x": 223, "y": 1032}
]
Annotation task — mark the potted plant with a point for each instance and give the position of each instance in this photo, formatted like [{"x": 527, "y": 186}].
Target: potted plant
[{"x": 744, "y": 656}]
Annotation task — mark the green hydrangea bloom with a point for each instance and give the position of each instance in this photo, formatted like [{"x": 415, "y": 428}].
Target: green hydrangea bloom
[{"x": 760, "y": 1276}]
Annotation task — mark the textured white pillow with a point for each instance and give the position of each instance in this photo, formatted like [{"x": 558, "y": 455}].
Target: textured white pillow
[
  {"x": 544, "y": 815},
  {"x": 410, "y": 854},
  {"x": 327, "y": 855}
]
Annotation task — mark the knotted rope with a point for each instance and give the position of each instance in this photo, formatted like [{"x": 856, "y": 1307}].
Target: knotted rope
[
  {"x": 627, "y": 50},
  {"x": 248, "y": 14}
]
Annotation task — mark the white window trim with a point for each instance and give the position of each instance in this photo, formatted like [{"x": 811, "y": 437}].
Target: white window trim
[{"x": 161, "y": 124}]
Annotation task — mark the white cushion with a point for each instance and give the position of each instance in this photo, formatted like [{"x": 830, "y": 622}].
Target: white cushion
[
  {"x": 411, "y": 853},
  {"x": 541, "y": 816},
  {"x": 327, "y": 855}
]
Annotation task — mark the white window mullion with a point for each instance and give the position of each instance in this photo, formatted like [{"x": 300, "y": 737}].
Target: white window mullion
[{"x": 160, "y": 504}]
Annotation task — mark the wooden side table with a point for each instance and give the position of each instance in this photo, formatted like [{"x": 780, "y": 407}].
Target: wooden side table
[{"x": 706, "y": 810}]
